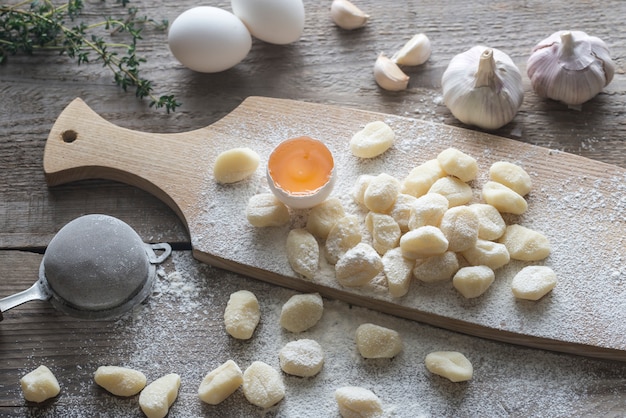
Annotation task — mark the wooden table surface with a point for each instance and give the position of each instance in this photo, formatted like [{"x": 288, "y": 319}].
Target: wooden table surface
[{"x": 327, "y": 65}]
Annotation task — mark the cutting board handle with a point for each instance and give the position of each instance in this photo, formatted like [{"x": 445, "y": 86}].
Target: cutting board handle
[{"x": 82, "y": 145}]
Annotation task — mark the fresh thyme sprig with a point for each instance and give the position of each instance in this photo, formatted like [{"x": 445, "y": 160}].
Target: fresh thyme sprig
[{"x": 41, "y": 25}]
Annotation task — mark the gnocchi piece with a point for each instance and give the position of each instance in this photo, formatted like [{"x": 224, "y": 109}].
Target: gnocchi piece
[
  {"x": 120, "y": 381},
  {"x": 374, "y": 341},
  {"x": 358, "y": 402},
  {"x": 533, "y": 282},
  {"x": 421, "y": 178},
  {"x": 452, "y": 365},
  {"x": 40, "y": 385},
  {"x": 473, "y": 281},
  {"x": 303, "y": 358},
  {"x": 220, "y": 383},
  {"x": 460, "y": 227},
  {"x": 487, "y": 253},
  {"x": 262, "y": 385},
  {"x": 242, "y": 314},
  {"x": 401, "y": 210},
  {"x": 344, "y": 235},
  {"x": 358, "y": 266},
  {"x": 437, "y": 268},
  {"x": 235, "y": 165},
  {"x": 428, "y": 210},
  {"x": 525, "y": 244},
  {"x": 324, "y": 216},
  {"x": 358, "y": 192},
  {"x": 456, "y": 191},
  {"x": 303, "y": 252},
  {"x": 385, "y": 231},
  {"x": 512, "y": 176},
  {"x": 491, "y": 225},
  {"x": 381, "y": 193},
  {"x": 373, "y": 140},
  {"x": 424, "y": 241},
  {"x": 264, "y": 209},
  {"x": 504, "y": 199},
  {"x": 156, "y": 399},
  {"x": 457, "y": 163},
  {"x": 398, "y": 271},
  {"x": 301, "y": 312}
]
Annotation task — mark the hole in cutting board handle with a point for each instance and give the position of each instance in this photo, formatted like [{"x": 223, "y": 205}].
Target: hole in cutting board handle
[{"x": 69, "y": 136}]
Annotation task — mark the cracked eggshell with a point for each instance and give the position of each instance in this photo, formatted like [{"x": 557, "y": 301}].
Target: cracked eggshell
[
  {"x": 209, "y": 39},
  {"x": 274, "y": 21}
]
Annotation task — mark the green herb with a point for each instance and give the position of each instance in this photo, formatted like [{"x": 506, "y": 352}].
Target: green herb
[{"x": 41, "y": 25}]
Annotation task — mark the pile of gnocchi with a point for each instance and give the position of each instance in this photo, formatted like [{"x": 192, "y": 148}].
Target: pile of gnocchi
[{"x": 423, "y": 226}]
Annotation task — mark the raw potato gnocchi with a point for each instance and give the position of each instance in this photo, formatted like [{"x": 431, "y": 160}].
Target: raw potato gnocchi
[
  {"x": 525, "y": 244},
  {"x": 242, "y": 314},
  {"x": 264, "y": 209},
  {"x": 235, "y": 165},
  {"x": 437, "y": 268},
  {"x": 503, "y": 198},
  {"x": 428, "y": 210},
  {"x": 344, "y": 235},
  {"x": 301, "y": 312},
  {"x": 421, "y": 178},
  {"x": 220, "y": 383},
  {"x": 358, "y": 266},
  {"x": 487, "y": 253},
  {"x": 460, "y": 227},
  {"x": 473, "y": 281},
  {"x": 156, "y": 399},
  {"x": 381, "y": 193},
  {"x": 512, "y": 176},
  {"x": 324, "y": 216},
  {"x": 120, "y": 381},
  {"x": 40, "y": 385},
  {"x": 385, "y": 231},
  {"x": 455, "y": 190},
  {"x": 425, "y": 241},
  {"x": 398, "y": 270},
  {"x": 304, "y": 358},
  {"x": 533, "y": 282},
  {"x": 491, "y": 225},
  {"x": 373, "y": 140},
  {"x": 358, "y": 402},
  {"x": 262, "y": 385},
  {"x": 459, "y": 164},
  {"x": 374, "y": 341},
  {"x": 303, "y": 252},
  {"x": 452, "y": 365}
]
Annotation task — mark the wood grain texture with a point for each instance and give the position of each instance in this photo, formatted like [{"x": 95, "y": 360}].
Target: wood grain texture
[
  {"x": 82, "y": 145},
  {"x": 327, "y": 66}
]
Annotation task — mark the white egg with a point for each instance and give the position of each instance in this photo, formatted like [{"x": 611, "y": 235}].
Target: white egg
[
  {"x": 208, "y": 39},
  {"x": 274, "y": 21}
]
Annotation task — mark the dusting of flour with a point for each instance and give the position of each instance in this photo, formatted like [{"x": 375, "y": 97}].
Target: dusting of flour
[{"x": 583, "y": 215}]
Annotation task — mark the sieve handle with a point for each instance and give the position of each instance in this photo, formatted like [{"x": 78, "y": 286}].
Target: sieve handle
[{"x": 35, "y": 292}]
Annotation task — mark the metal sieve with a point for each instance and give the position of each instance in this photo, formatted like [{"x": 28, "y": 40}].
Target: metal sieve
[{"x": 95, "y": 267}]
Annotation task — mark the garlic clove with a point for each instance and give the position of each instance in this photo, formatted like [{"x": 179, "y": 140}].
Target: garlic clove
[
  {"x": 570, "y": 66},
  {"x": 483, "y": 87},
  {"x": 388, "y": 75},
  {"x": 346, "y": 15},
  {"x": 415, "y": 52}
]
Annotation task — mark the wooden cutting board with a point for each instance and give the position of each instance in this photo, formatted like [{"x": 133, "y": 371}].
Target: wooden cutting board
[{"x": 578, "y": 203}]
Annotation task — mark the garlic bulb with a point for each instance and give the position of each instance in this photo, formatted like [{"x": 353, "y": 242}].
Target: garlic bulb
[
  {"x": 483, "y": 87},
  {"x": 415, "y": 52},
  {"x": 388, "y": 75},
  {"x": 346, "y": 15},
  {"x": 570, "y": 66}
]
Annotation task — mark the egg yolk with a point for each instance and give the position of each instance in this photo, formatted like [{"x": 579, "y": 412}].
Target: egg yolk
[{"x": 300, "y": 166}]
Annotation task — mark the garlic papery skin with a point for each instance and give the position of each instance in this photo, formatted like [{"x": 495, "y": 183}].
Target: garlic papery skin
[
  {"x": 415, "y": 52},
  {"x": 483, "y": 87},
  {"x": 388, "y": 75},
  {"x": 570, "y": 66},
  {"x": 346, "y": 15}
]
